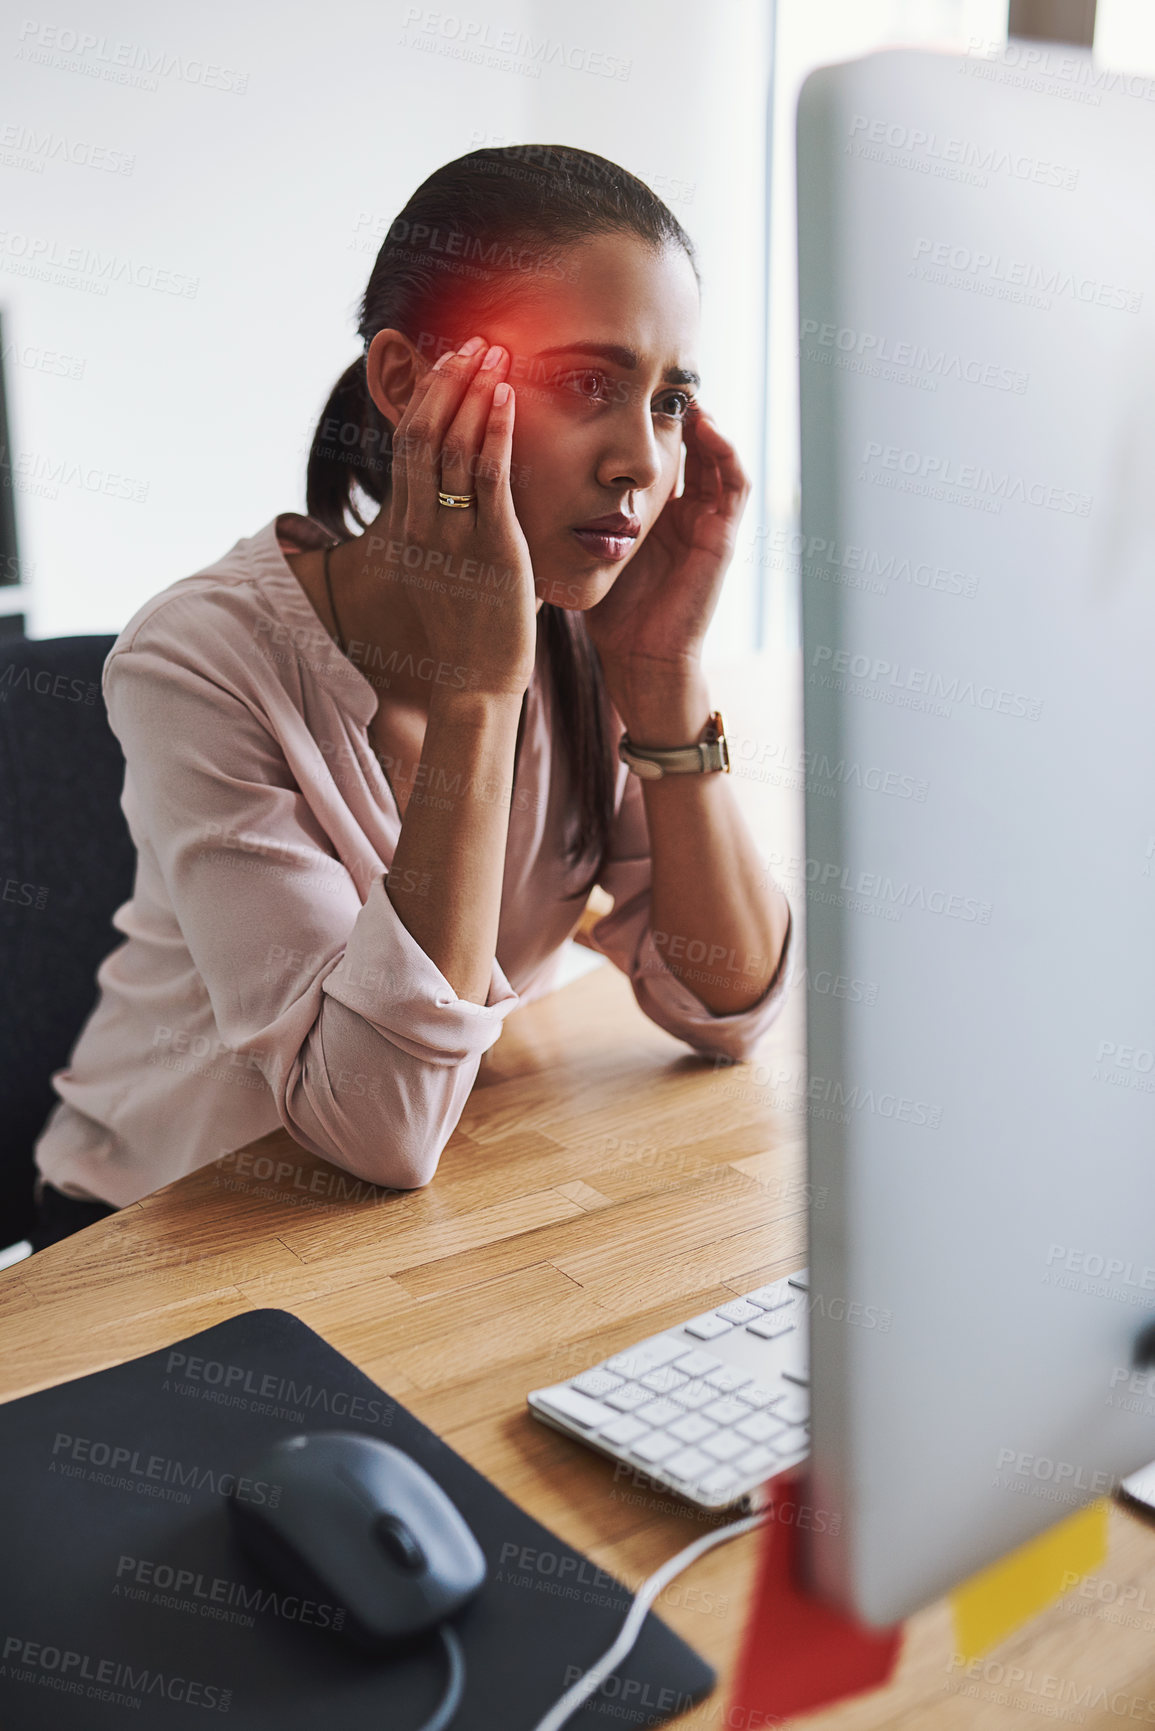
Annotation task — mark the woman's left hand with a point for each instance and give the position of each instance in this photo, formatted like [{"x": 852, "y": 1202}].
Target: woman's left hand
[{"x": 654, "y": 619}]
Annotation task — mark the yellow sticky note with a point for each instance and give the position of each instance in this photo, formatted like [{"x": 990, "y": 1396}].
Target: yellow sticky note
[{"x": 993, "y": 1603}]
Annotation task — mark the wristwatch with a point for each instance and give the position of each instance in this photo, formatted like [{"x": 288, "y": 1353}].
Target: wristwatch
[{"x": 709, "y": 753}]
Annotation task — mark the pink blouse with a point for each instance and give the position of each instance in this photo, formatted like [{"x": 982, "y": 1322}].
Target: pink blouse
[{"x": 265, "y": 978}]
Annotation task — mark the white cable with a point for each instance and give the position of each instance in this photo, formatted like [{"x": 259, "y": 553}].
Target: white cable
[
  {"x": 631, "y": 1628},
  {"x": 454, "y": 1683}
]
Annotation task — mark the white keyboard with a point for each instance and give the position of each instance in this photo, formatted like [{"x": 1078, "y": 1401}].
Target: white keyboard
[{"x": 710, "y": 1410}]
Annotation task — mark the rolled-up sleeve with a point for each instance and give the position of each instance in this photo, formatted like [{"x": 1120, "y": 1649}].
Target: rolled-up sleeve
[
  {"x": 625, "y": 936},
  {"x": 367, "y": 1049}
]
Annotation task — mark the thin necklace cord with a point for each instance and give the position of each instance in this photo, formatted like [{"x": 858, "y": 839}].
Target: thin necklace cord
[{"x": 332, "y": 603}]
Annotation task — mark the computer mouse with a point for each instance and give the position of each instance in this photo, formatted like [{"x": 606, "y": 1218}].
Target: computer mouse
[{"x": 356, "y": 1523}]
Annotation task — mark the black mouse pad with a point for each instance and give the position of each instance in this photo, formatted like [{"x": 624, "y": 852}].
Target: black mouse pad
[{"x": 125, "y": 1600}]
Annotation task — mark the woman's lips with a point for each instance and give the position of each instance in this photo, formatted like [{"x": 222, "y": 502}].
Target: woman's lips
[{"x": 607, "y": 547}]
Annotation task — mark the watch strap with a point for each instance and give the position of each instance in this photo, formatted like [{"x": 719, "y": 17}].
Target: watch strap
[{"x": 707, "y": 754}]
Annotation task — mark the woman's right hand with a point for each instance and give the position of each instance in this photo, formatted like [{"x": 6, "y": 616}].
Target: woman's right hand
[{"x": 472, "y": 586}]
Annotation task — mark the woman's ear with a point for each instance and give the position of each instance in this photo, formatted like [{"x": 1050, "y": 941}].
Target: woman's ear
[{"x": 392, "y": 368}]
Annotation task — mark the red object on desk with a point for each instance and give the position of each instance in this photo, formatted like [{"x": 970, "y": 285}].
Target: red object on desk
[{"x": 800, "y": 1653}]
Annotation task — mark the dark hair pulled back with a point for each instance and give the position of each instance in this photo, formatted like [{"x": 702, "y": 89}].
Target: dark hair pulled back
[{"x": 471, "y": 240}]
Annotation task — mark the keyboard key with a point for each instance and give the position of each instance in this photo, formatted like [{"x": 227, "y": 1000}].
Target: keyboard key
[
  {"x": 665, "y": 1379},
  {"x": 725, "y": 1445},
  {"x": 690, "y": 1464},
  {"x": 623, "y": 1431},
  {"x": 725, "y": 1410},
  {"x": 773, "y": 1324},
  {"x": 758, "y": 1394},
  {"x": 629, "y": 1396},
  {"x": 596, "y": 1382},
  {"x": 757, "y": 1461},
  {"x": 656, "y": 1448},
  {"x": 659, "y": 1412},
  {"x": 773, "y": 1296},
  {"x": 578, "y": 1408},
  {"x": 694, "y": 1395},
  {"x": 636, "y": 1361},
  {"x": 697, "y": 1362},
  {"x": 728, "y": 1377},
  {"x": 738, "y": 1311},
  {"x": 719, "y": 1480},
  {"x": 708, "y": 1327},
  {"x": 760, "y": 1426},
  {"x": 692, "y": 1428},
  {"x": 801, "y": 1280},
  {"x": 790, "y": 1441},
  {"x": 794, "y": 1406}
]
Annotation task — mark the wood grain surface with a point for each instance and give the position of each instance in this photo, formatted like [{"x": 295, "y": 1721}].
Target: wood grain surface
[{"x": 604, "y": 1182}]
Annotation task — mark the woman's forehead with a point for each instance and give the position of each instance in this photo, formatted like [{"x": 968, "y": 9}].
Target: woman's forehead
[{"x": 636, "y": 301}]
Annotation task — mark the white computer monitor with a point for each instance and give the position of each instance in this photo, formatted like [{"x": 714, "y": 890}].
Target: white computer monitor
[{"x": 977, "y": 349}]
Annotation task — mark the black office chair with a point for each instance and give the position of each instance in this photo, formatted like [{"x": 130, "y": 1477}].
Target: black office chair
[{"x": 67, "y": 862}]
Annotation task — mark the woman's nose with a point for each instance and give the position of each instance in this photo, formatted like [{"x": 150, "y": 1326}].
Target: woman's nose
[{"x": 633, "y": 462}]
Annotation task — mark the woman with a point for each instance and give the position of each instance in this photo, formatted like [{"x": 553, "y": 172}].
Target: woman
[{"x": 361, "y": 766}]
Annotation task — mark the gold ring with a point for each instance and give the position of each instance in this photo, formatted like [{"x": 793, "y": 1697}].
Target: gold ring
[{"x": 457, "y": 501}]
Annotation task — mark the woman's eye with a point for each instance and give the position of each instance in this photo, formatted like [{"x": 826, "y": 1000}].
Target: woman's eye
[
  {"x": 594, "y": 386},
  {"x": 588, "y": 383},
  {"x": 679, "y": 397}
]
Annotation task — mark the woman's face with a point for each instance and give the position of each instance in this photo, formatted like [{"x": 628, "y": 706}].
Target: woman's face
[{"x": 602, "y": 363}]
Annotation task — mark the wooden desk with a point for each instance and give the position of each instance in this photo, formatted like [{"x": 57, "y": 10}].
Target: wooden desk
[{"x": 604, "y": 1182}]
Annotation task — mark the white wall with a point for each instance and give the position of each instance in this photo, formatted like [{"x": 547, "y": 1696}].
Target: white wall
[
  {"x": 1125, "y": 35},
  {"x": 261, "y": 198}
]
